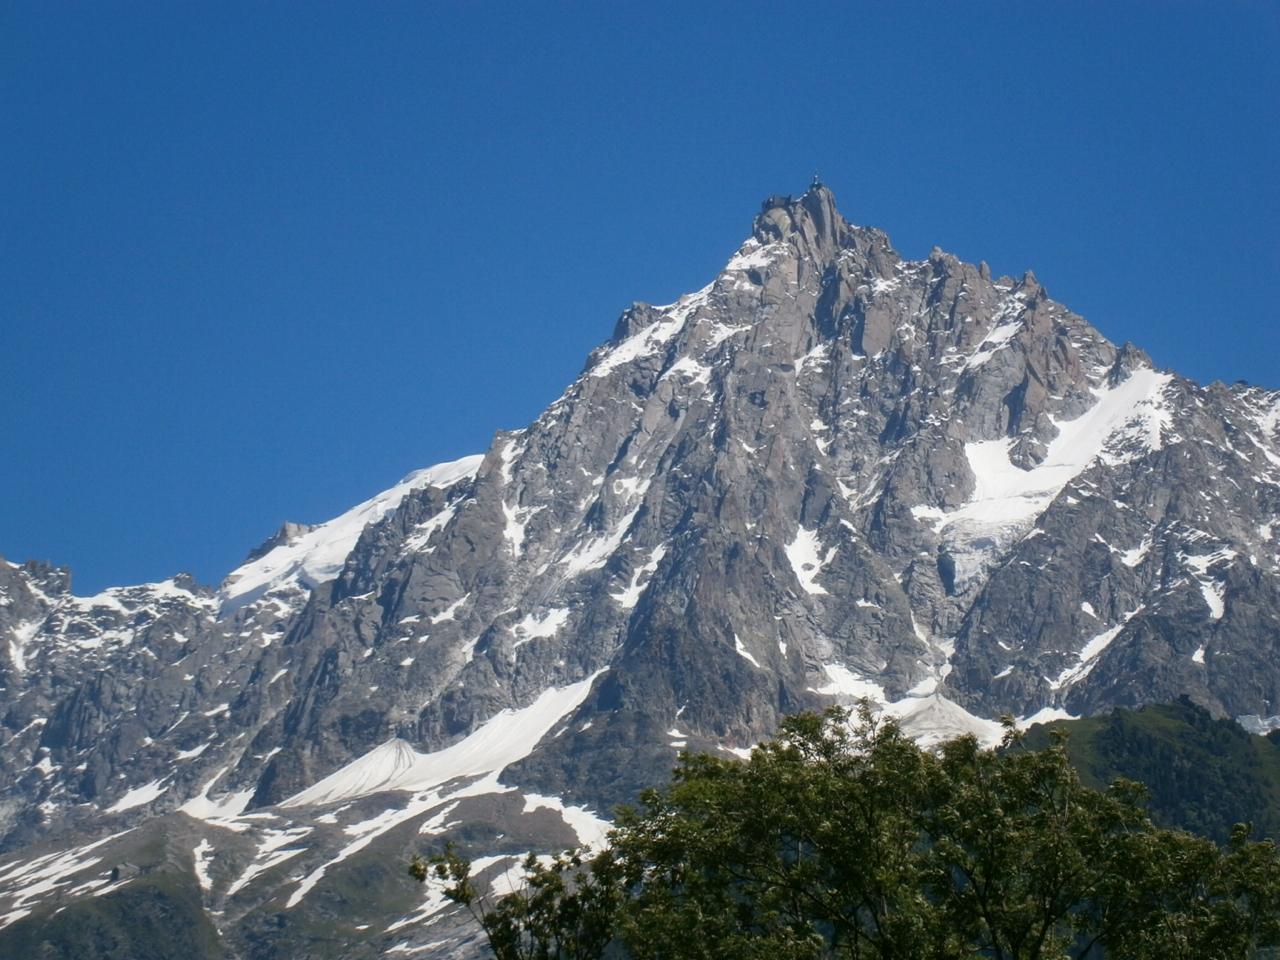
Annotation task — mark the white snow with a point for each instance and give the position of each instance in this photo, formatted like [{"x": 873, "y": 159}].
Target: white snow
[
  {"x": 1198, "y": 656},
  {"x": 200, "y": 858},
  {"x": 422, "y": 533},
  {"x": 28, "y": 881},
  {"x": 1007, "y": 324},
  {"x": 1007, "y": 499},
  {"x": 845, "y": 683},
  {"x": 690, "y": 369},
  {"x": 753, "y": 255},
  {"x": 1003, "y": 491},
  {"x": 20, "y": 636},
  {"x": 718, "y": 333},
  {"x": 819, "y": 354},
  {"x": 1089, "y": 653},
  {"x": 807, "y": 561},
  {"x": 139, "y": 796},
  {"x": 629, "y": 596},
  {"x": 1131, "y": 558},
  {"x": 931, "y": 719},
  {"x": 537, "y": 628},
  {"x": 221, "y": 811},
  {"x": 1213, "y": 598},
  {"x": 451, "y": 611},
  {"x": 1045, "y": 715},
  {"x": 192, "y": 753},
  {"x": 590, "y": 828},
  {"x": 369, "y": 830},
  {"x": 507, "y": 456},
  {"x": 651, "y": 338},
  {"x": 318, "y": 555},
  {"x": 745, "y": 653},
  {"x": 439, "y": 822},
  {"x": 517, "y": 518},
  {"x": 596, "y": 553},
  {"x": 275, "y": 847},
  {"x": 1258, "y": 725},
  {"x": 508, "y": 736},
  {"x": 1212, "y": 591}
]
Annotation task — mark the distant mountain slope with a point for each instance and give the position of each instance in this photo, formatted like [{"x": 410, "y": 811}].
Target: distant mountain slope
[
  {"x": 1204, "y": 775},
  {"x": 830, "y": 473}
]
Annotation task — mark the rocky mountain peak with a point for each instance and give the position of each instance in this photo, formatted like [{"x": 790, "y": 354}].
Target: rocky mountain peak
[
  {"x": 812, "y": 219},
  {"x": 829, "y": 474}
]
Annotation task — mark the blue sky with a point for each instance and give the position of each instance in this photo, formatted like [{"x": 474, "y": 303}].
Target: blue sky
[{"x": 259, "y": 260}]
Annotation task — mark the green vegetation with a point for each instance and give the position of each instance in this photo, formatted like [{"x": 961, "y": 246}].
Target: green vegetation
[
  {"x": 156, "y": 917},
  {"x": 839, "y": 840},
  {"x": 1201, "y": 774}
]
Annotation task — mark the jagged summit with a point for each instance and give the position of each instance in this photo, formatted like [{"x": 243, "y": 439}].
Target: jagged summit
[{"x": 831, "y": 473}]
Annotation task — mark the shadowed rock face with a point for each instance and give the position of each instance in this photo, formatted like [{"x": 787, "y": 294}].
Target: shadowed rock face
[{"x": 830, "y": 473}]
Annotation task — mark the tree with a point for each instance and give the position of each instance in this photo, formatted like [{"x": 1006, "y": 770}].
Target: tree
[{"x": 841, "y": 839}]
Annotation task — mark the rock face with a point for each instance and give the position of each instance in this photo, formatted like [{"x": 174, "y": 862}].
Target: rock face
[{"x": 831, "y": 473}]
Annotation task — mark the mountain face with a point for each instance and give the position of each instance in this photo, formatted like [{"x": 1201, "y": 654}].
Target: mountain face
[{"x": 831, "y": 473}]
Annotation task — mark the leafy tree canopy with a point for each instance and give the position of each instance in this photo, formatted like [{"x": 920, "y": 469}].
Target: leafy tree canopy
[{"x": 840, "y": 839}]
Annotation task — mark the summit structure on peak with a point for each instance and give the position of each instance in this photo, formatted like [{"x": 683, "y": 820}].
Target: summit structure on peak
[{"x": 830, "y": 474}]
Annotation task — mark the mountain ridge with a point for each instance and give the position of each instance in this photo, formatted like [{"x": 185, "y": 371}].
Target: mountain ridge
[{"x": 831, "y": 473}]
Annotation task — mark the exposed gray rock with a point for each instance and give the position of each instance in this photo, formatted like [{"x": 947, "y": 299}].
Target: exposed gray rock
[{"x": 830, "y": 473}]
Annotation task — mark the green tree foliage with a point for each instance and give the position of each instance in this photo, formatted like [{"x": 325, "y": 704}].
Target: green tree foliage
[{"x": 847, "y": 840}]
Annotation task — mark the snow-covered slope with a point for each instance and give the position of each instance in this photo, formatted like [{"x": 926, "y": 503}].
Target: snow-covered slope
[
  {"x": 317, "y": 556},
  {"x": 508, "y": 736}
]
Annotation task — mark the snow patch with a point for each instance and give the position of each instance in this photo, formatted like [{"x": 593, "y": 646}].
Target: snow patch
[
  {"x": 690, "y": 369},
  {"x": 1006, "y": 499},
  {"x": 596, "y": 553},
  {"x": 745, "y": 653},
  {"x": 1213, "y": 592},
  {"x": 536, "y": 628},
  {"x": 200, "y": 858},
  {"x": 221, "y": 811},
  {"x": 508, "y": 736},
  {"x": 932, "y": 719},
  {"x": 29, "y": 881},
  {"x": 591, "y": 829},
  {"x": 517, "y": 518},
  {"x": 629, "y": 596},
  {"x": 843, "y": 682},
  {"x": 318, "y": 555},
  {"x": 1258, "y": 725},
  {"x": 649, "y": 340},
  {"x": 139, "y": 796},
  {"x": 807, "y": 561},
  {"x": 1089, "y": 653},
  {"x": 1006, "y": 326},
  {"x": 451, "y": 611},
  {"x": 1131, "y": 558},
  {"x": 275, "y": 847}
]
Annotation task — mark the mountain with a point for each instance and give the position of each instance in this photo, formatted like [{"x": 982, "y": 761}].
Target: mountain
[
  {"x": 831, "y": 473},
  {"x": 1202, "y": 774}
]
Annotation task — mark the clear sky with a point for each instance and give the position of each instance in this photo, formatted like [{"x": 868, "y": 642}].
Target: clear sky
[{"x": 259, "y": 260}]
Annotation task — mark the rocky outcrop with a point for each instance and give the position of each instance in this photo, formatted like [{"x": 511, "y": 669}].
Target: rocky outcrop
[{"x": 831, "y": 473}]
